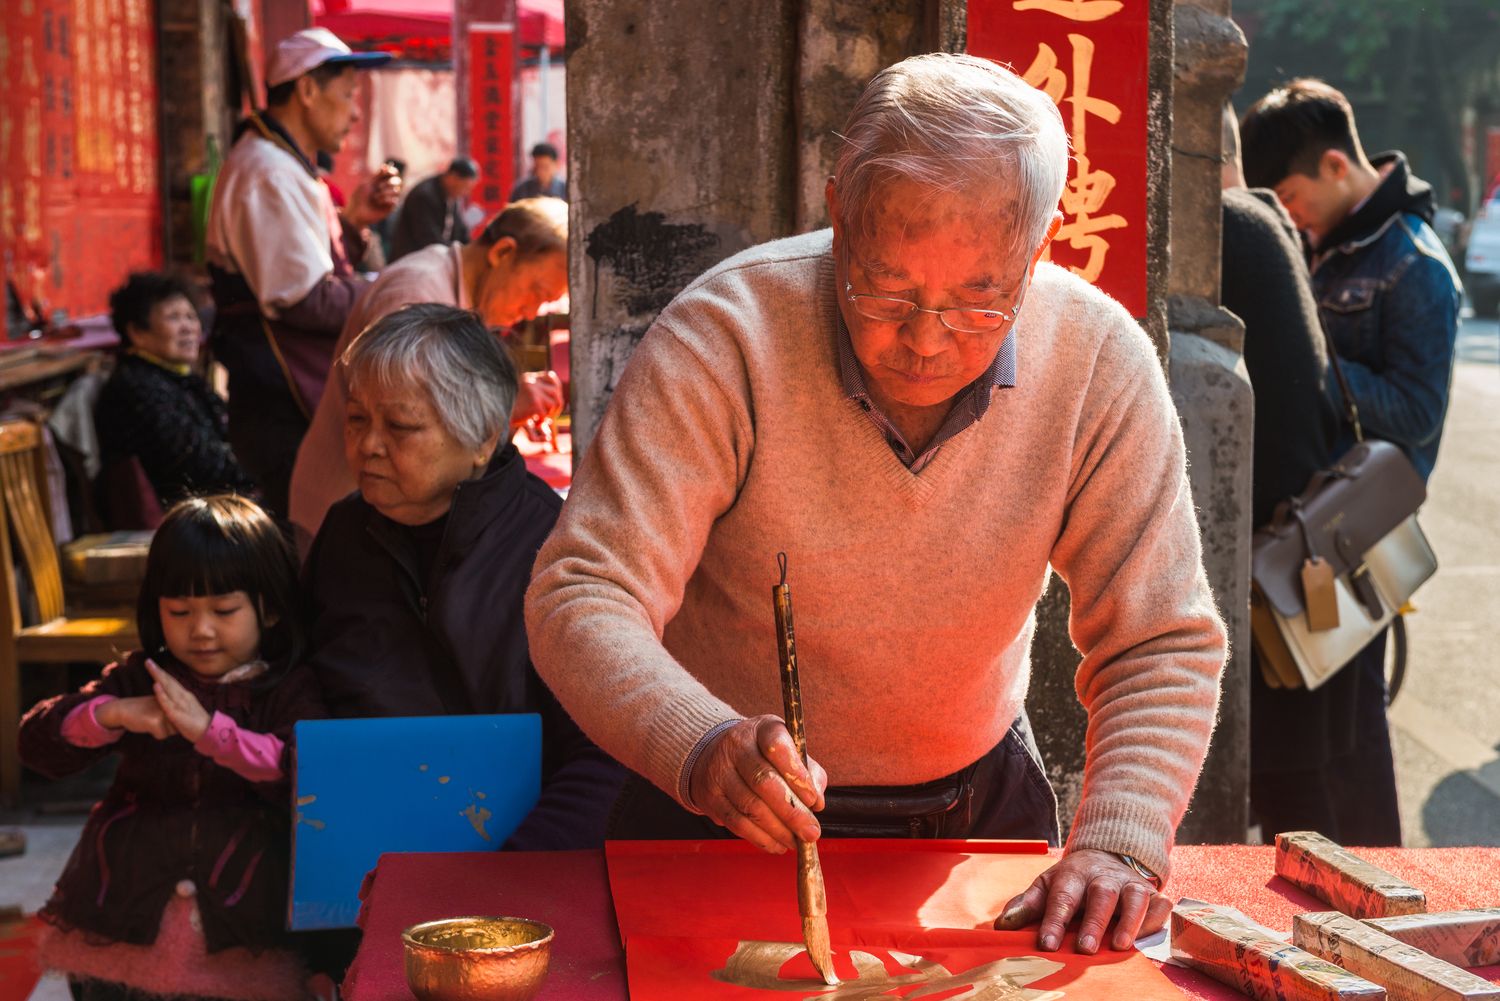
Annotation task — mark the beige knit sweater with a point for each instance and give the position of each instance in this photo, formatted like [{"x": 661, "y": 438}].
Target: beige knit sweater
[{"x": 729, "y": 440}]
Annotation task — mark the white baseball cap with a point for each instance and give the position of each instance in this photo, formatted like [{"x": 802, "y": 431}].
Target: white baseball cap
[{"x": 310, "y": 48}]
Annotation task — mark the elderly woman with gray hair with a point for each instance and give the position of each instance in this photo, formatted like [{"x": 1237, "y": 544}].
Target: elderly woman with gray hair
[
  {"x": 415, "y": 583},
  {"x": 925, "y": 416}
]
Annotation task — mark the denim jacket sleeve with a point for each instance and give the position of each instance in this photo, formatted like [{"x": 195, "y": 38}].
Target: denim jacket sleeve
[{"x": 1404, "y": 402}]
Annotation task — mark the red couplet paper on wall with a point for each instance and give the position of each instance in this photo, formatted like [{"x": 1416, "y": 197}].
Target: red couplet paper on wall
[
  {"x": 79, "y": 199},
  {"x": 718, "y": 920},
  {"x": 492, "y": 63},
  {"x": 1090, "y": 57}
]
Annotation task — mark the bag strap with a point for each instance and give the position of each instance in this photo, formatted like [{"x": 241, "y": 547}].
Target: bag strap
[
  {"x": 1298, "y": 515},
  {"x": 1351, "y": 412}
]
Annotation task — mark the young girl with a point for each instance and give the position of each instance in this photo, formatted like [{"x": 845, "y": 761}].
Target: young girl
[{"x": 178, "y": 885}]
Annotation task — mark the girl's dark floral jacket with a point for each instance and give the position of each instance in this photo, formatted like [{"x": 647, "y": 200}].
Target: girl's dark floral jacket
[{"x": 172, "y": 814}]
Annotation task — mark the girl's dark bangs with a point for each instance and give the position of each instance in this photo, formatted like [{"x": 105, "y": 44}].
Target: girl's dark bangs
[{"x": 198, "y": 564}]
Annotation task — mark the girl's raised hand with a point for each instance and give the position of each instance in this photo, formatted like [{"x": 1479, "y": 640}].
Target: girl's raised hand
[
  {"x": 181, "y": 706},
  {"x": 142, "y": 714}
]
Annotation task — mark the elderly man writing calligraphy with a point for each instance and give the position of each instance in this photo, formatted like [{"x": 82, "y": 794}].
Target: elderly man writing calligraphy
[{"x": 924, "y": 415}]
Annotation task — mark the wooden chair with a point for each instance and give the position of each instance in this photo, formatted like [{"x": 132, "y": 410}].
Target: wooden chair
[
  {"x": 56, "y": 638},
  {"x": 125, "y": 496}
]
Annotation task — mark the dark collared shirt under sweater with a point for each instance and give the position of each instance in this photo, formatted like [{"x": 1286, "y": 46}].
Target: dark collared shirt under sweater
[{"x": 968, "y": 407}]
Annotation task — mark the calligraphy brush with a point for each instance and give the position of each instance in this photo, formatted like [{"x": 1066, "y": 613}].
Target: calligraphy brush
[{"x": 812, "y": 901}]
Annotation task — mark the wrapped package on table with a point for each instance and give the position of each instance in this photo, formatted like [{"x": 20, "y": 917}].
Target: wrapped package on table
[
  {"x": 1463, "y": 938},
  {"x": 1406, "y": 973},
  {"x": 1342, "y": 879},
  {"x": 1247, "y": 959}
]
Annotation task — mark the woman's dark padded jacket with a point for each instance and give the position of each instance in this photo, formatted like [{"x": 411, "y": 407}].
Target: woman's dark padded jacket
[{"x": 391, "y": 640}]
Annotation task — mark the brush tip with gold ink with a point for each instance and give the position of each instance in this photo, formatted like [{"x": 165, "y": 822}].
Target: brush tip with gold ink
[{"x": 819, "y": 948}]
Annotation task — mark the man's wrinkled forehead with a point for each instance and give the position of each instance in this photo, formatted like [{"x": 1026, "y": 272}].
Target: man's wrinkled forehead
[
  {"x": 905, "y": 210},
  {"x": 897, "y": 220}
]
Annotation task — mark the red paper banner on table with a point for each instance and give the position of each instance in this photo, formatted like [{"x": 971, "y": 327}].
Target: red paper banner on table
[
  {"x": 492, "y": 65},
  {"x": 1091, "y": 58},
  {"x": 79, "y": 199},
  {"x": 718, "y": 920}
]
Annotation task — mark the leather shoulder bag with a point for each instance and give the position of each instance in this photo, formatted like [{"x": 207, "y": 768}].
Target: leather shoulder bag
[{"x": 1339, "y": 561}]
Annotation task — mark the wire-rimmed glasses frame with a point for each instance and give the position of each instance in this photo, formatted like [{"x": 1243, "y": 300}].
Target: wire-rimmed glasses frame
[{"x": 891, "y": 309}]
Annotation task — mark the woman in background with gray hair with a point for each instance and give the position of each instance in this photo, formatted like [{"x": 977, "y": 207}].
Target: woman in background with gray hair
[{"x": 415, "y": 584}]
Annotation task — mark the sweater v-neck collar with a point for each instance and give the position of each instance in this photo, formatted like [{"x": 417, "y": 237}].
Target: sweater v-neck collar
[{"x": 916, "y": 489}]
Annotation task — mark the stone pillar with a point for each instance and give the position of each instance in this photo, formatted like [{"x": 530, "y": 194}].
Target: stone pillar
[
  {"x": 1198, "y": 58},
  {"x": 195, "y": 109},
  {"x": 841, "y": 44},
  {"x": 1212, "y": 390},
  {"x": 680, "y": 153},
  {"x": 1057, "y": 718},
  {"x": 717, "y": 140}
]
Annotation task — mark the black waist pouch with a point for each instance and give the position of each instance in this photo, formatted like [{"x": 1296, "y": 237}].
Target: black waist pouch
[{"x": 925, "y": 810}]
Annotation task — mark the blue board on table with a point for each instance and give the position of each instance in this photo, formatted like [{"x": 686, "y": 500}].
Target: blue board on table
[{"x": 422, "y": 783}]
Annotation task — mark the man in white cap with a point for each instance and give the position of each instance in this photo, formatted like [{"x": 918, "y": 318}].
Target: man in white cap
[{"x": 279, "y": 252}]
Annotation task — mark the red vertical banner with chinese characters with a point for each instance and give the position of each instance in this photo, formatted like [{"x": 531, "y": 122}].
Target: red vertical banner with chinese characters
[
  {"x": 492, "y": 70},
  {"x": 80, "y": 203},
  {"x": 1090, "y": 57},
  {"x": 22, "y": 59},
  {"x": 110, "y": 223}
]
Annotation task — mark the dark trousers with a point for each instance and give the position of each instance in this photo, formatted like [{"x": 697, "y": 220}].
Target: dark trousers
[
  {"x": 1005, "y": 794},
  {"x": 266, "y": 423},
  {"x": 1344, "y": 785},
  {"x": 265, "y": 439}
]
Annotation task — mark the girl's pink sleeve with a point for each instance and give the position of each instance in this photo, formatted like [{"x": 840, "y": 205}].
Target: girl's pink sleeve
[
  {"x": 253, "y": 756},
  {"x": 82, "y": 728}
]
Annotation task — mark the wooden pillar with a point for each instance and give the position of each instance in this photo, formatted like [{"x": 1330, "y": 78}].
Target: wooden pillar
[
  {"x": 278, "y": 19},
  {"x": 195, "y": 109}
]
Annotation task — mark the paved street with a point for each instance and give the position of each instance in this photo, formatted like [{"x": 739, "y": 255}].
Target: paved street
[{"x": 1446, "y": 721}]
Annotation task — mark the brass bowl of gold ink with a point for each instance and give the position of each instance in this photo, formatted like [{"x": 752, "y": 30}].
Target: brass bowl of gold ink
[{"x": 477, "y": 959}]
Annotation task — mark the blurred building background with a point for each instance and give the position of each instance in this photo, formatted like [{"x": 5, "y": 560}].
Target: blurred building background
[
  {"x": 114, "y": 115},
  {"x": 1423, "y": 77}
]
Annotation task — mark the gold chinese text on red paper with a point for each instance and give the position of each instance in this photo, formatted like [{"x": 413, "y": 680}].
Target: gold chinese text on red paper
[
  {"x": 1073, "y": 10},
  {"x": 1089, "y": 187},
  {"x": 757, "y": 965}
]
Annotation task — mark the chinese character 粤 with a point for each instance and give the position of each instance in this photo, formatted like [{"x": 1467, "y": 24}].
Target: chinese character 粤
[{"x": 1089, "y": 187}]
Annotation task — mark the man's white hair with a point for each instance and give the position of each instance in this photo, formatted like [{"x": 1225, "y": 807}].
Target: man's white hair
[{"x": 956, "y": 123}]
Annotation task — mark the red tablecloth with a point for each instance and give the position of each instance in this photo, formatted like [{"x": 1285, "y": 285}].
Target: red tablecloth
[
  {"x": 567, "y": 890},
  {"x": 570, "y": 891}
]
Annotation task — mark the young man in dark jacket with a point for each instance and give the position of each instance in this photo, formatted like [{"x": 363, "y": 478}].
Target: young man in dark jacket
[
  {"x": 1386, "y": 290},
  {"x": 1388, "y": 296}
]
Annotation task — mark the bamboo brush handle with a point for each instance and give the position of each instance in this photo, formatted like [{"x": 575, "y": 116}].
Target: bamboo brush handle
[
  {"x": 786, "y": 647},
  {"x": 812, "y": 899}
]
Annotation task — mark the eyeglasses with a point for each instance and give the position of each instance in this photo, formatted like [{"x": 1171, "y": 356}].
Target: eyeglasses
[
  {"x": 887, "y": 309},
  {"x": 965, "y": 321}
]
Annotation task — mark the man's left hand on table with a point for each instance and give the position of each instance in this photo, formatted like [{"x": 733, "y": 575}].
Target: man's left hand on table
[{"x": 1092, "y": 886}]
